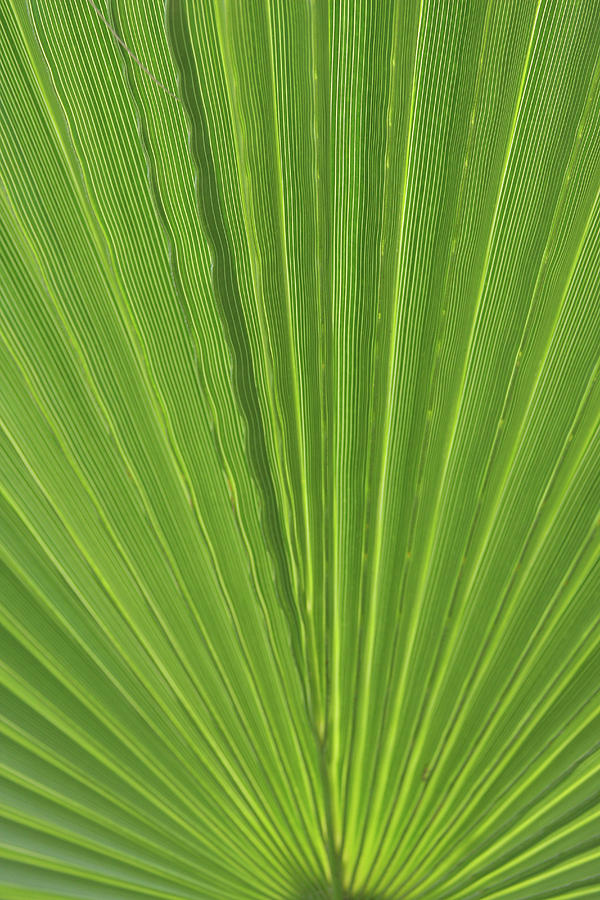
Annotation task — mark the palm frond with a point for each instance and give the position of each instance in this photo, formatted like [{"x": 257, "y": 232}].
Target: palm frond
[{"x": 300, "y": 450}]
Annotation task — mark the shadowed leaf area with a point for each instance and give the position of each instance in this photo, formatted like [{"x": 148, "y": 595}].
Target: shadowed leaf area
[{"x": 300, "y": 450}]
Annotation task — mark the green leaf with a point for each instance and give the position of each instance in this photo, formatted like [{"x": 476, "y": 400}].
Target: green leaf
[{"x": 299, "y": 449}]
